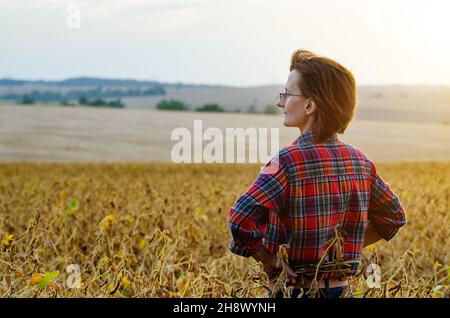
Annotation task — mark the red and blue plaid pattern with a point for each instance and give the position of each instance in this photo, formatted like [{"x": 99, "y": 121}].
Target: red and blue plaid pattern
[{"x": 310, "y": 190}]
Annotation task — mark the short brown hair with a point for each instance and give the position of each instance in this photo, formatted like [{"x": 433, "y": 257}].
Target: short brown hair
[{"x": 333, "y": 89}]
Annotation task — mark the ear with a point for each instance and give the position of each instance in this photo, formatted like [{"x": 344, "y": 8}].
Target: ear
[{"x": 310, "y": 107}]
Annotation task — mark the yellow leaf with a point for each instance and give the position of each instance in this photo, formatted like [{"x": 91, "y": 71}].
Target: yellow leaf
[
  {"x": 111, "y": 218},
  {"x": 198, "y": 211},
  {"x": 437, "y": 294},
  {"x": 36, "y": 279},
  {"x": 63, "y": 195},
  {"x": 121, "y": 255},
  {"x": 142, "y": 243},
  {"x": 8, "y": 239},
  {"x": 103, "y": 262},
  {"x": 108, "y": 221},
  {"x": 130, "y": 218},
  {"x": 126, "y": 282}
]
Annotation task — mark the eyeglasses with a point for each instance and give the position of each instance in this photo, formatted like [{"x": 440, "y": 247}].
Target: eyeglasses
[{"x": 283, "y": 95}]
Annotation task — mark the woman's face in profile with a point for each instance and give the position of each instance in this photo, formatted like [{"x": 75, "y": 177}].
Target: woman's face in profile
[{"x": 294, "y": 107}]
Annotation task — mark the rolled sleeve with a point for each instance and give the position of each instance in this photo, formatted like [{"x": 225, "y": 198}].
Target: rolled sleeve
[
  {"x": 386, "y": 212},
  {"x": 249, "y": 215}
]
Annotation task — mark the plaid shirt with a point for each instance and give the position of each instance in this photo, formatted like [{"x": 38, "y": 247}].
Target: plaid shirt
[{"x": 302, "y": 196}]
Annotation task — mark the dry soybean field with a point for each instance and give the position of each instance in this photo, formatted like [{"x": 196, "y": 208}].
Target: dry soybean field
[{"x": 160, "y": 230}]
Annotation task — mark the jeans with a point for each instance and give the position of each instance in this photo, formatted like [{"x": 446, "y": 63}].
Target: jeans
[{"x": 335, "y": 292}]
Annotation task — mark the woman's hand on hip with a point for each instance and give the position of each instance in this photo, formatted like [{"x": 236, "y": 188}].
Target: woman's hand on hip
[{"x": 270, "y": 263}]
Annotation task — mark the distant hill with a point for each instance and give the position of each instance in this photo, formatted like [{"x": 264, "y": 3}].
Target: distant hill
[
  {"x": 72, "y": 89},
  {"x": 96, "y": 81},
  {"x": 398, "y": 103}
]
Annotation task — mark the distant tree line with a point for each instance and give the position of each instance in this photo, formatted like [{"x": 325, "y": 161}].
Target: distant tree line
[
  {"x": 97, "y": 93},
  {"x": 27, "y": 100},
  {"x": 83, "y": 100},
  {"x": 100, "y": 102},
  {"x": 170, "y": 104},
  {"x": 174, "y": 104}
]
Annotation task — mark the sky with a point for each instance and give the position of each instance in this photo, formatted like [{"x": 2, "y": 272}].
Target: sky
[{"x": 225, "y": 42}]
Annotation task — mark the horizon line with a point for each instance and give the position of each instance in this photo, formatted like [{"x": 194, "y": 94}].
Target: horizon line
[{"x": 198, "y": 83}]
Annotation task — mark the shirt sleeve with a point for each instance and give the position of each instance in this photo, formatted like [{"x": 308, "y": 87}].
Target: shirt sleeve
[
  {"x": 386, "y": 213},
  {"x": 249, "y": 215}
]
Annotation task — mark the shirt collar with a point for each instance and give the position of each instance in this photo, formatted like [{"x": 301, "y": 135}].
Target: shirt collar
[{"x": 308, "y": 137}]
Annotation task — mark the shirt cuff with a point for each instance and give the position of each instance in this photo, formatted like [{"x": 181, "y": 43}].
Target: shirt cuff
[
  {"x": 245, "y": 251},
  {"x": 387, "y": 232}
]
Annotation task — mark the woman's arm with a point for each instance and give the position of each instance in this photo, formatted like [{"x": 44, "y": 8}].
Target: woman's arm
[
  {"x": 386, "y": 213},
  {"x": 269, "y": 261},
  {"x": 249, "y": 215},
  {"x": 371, "y": 237}
]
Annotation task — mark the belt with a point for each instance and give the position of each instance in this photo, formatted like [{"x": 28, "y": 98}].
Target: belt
[{"x": 326, "y": 283}]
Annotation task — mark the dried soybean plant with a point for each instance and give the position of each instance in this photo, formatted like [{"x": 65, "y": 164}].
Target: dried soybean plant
[
  {"x": 332, "y": 261},
  {"x": 134, "y": 232}
]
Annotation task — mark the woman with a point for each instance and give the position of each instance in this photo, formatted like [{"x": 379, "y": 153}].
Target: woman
[{"x": 320, "y": 189}]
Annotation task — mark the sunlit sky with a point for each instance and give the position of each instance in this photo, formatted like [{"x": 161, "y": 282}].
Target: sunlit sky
[{"x": 230, "y": 42}]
